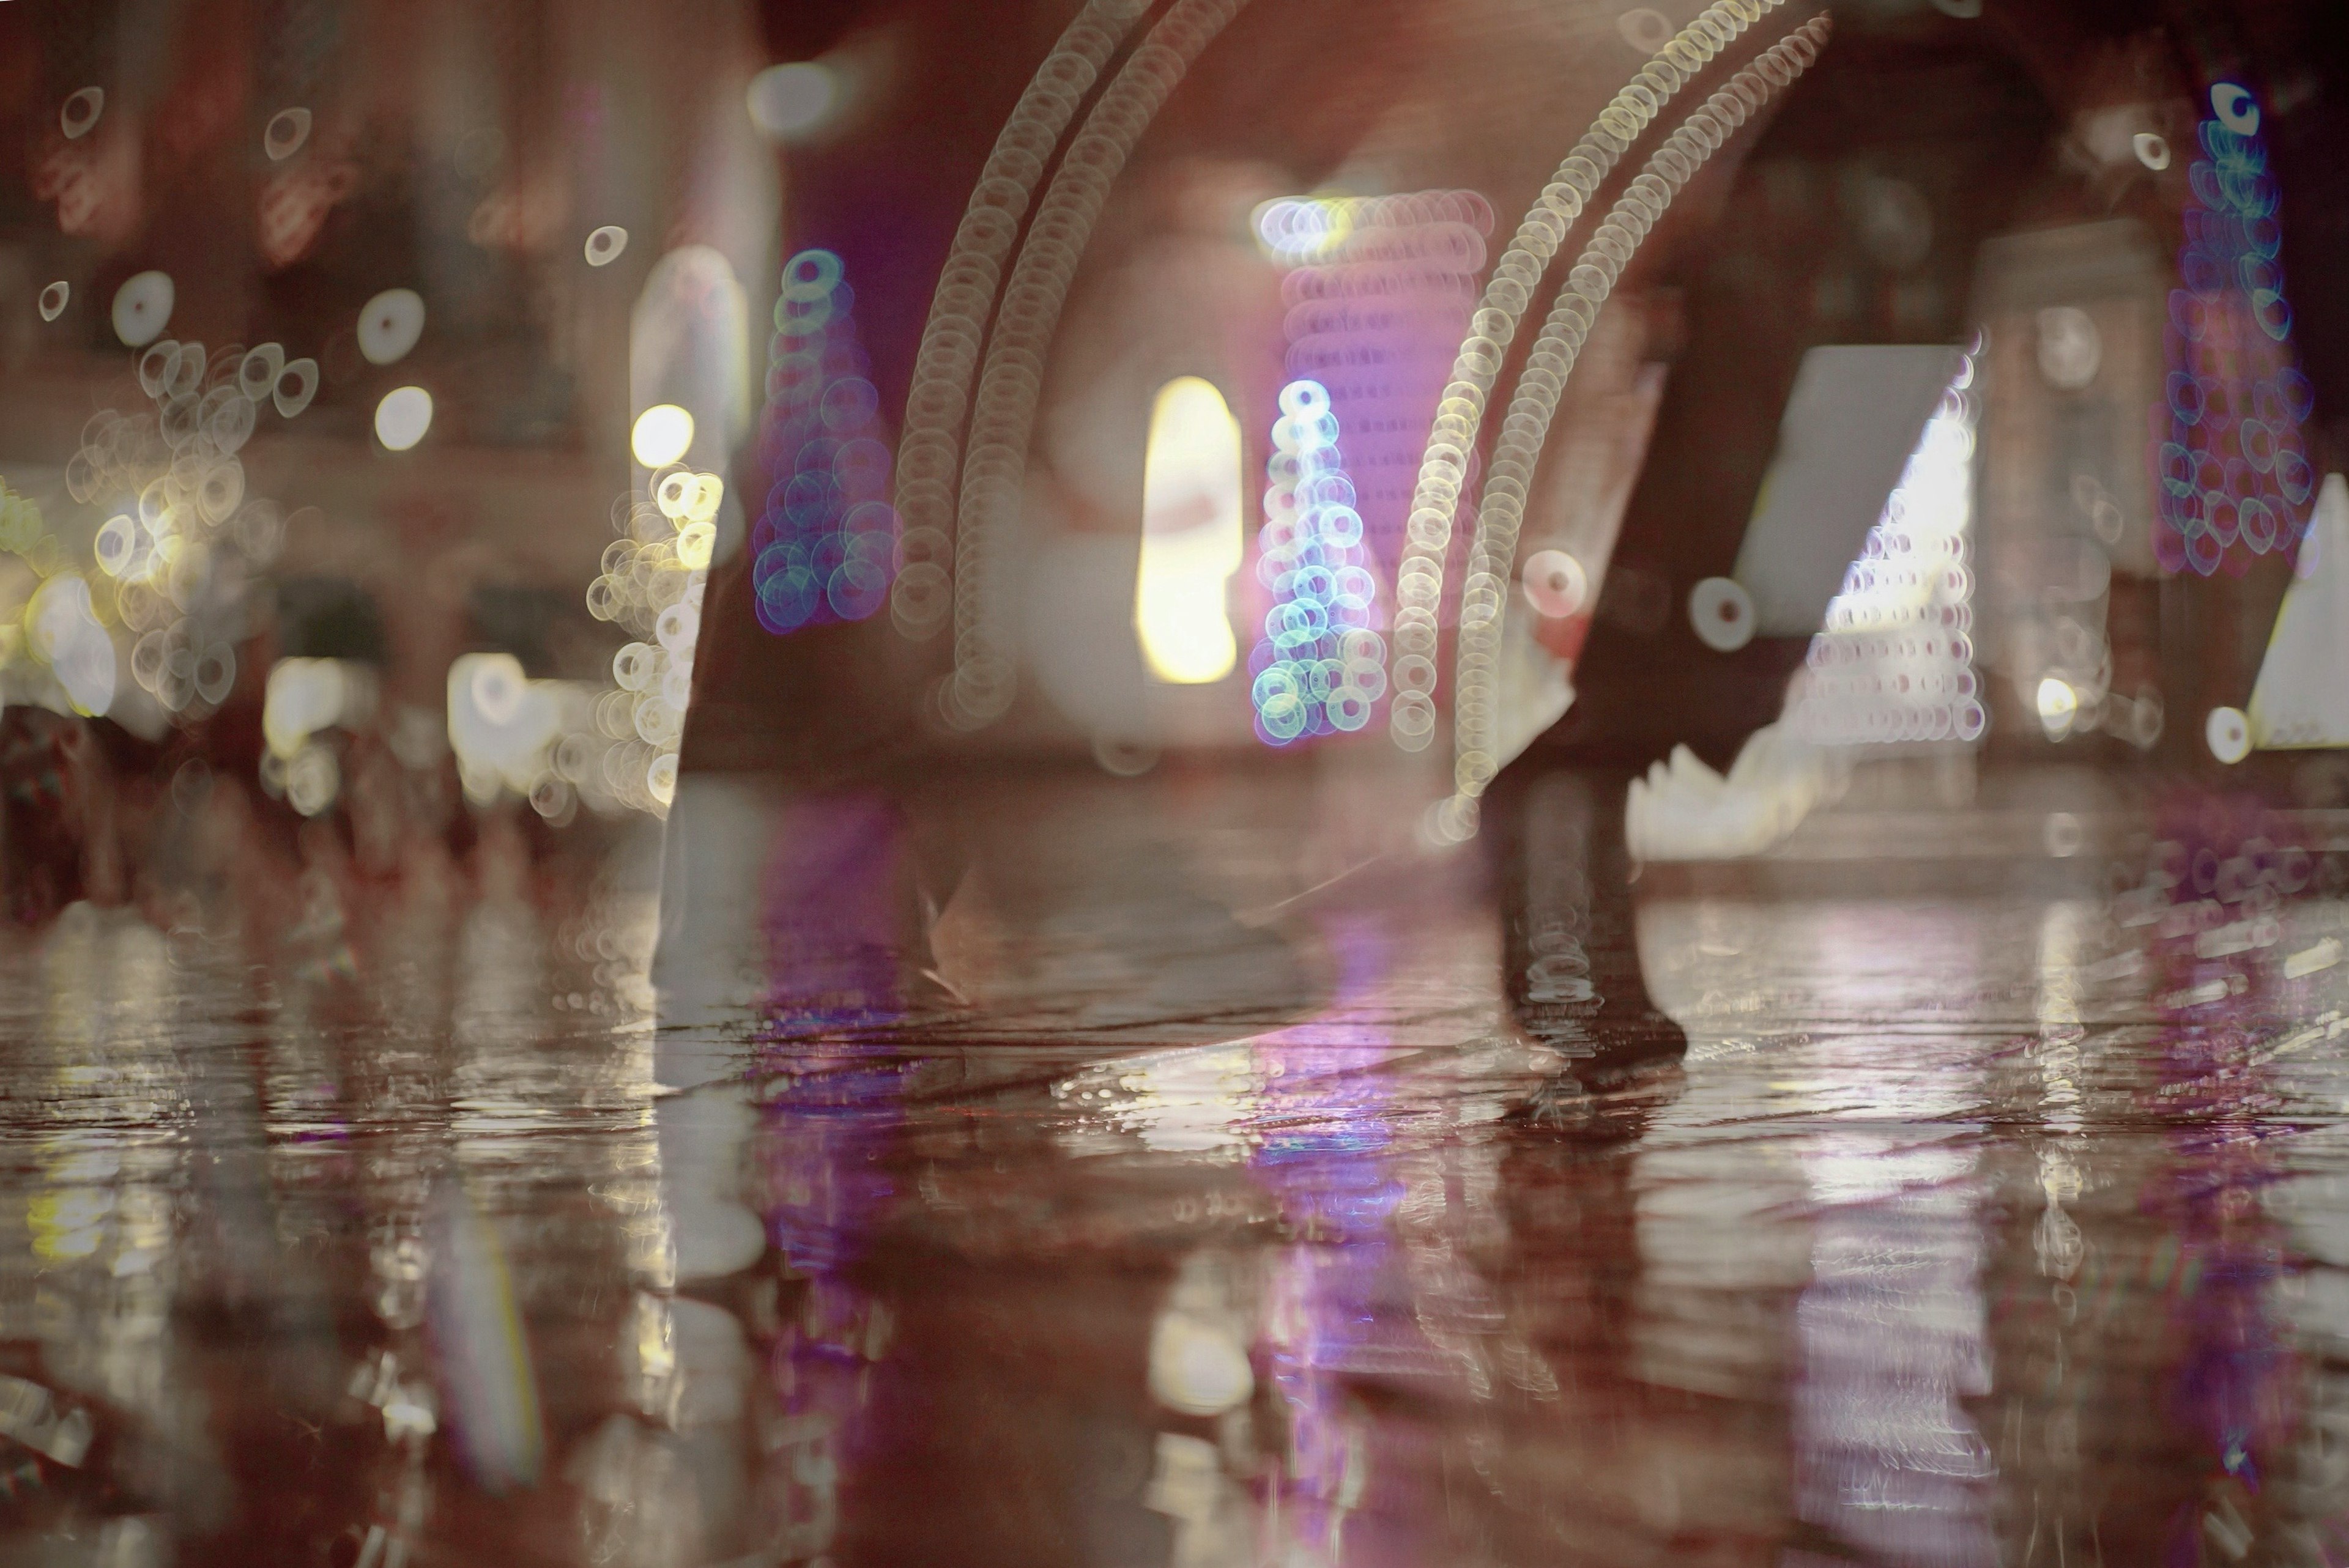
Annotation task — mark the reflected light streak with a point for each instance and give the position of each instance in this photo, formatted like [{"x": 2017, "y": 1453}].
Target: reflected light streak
[
  {"x": 1892, "y": 1329},
  {"x": 1359, "y": 1206},
  {"x": 829, "y": 1105},
  {"x": 491, "y": 1389},
  {"x": 1191, "y": 538},
  {"x": 2233, "y": 1383}
]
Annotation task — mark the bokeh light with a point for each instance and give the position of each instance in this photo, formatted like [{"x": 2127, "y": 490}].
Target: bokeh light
[
  {"x": 2059, "y": 706},
  {"x": 1191, "y": 534},
  {"x": 605, "y": 244},
  {"x": 391, "y": 326},
  {"x": 790, "y": 100},
  {"x": 403, "y": 417},
  {"x": 661, "y": 436},
  {"x": 2227, "y": 733},
  {"x": 142, "y": 307}
]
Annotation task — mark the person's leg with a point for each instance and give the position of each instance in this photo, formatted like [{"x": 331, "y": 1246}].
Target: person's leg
[{"x": 1570, "y": 961}]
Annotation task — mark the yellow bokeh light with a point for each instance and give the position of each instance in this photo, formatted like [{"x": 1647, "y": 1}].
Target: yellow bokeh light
[
  {"x": 2059, "y": 705},
  {"x": 663, "y": 434},
  {"x": 403, "y": 417},
  {"x": 1191, "y": 539}
]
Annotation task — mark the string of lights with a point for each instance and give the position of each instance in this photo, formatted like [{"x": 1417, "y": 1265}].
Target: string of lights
[
  {"x": 1452, "y": 438},
  {"x": 1484, "y": 591},
  {"x": 1004, "y": 415},
  {"x": 928, "y": 453}
]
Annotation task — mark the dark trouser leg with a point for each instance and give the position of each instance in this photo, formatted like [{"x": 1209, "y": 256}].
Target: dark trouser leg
[{"x": 1569, "y": 954}]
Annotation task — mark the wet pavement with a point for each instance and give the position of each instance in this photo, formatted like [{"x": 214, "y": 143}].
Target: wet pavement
[{"x": 1056, "y": 1168}]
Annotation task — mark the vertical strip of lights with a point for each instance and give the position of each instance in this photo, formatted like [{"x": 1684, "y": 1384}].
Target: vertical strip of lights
[
  {"x": 824, "y": 545},
  {"x": 1378, "y": 291},
  {"x": 2235, "y": 482},
  {"x": 1893, "y": 662},
  {"x": 1320, "y": 668}
]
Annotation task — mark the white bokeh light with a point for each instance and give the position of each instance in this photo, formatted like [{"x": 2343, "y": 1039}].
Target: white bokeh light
[
  {"x": 790, "y": 100},
  {"x": 403, "y": 417}
]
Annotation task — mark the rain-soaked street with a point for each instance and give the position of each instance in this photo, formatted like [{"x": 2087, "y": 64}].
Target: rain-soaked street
[
  {"x": 1174, "y": 784},
  {"x": 1111, "y": 1172}
]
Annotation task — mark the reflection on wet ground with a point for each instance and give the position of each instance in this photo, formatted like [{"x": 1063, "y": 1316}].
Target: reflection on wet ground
[{"x": 1058, "y": 1170}]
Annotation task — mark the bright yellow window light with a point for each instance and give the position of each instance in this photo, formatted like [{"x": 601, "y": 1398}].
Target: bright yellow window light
[{"x": 1191, "y": 534}]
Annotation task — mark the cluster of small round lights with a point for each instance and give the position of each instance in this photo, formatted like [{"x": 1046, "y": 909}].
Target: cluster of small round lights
[
  {"x": 48, "y": 617},
  {"x": 303, "y": 699},
  {"x": 1893, "y": 662},
  {"x": 1003, "y": 416},
  {"x": 1374, "y": 316},
  {"x": 824, "y": 546},
  {"x": 1517, "y": 454},
  {"x": 965, "y": 301},
  {"x": 1453, "y": 440},
  {"x": 181, "y": 541},
  {"x": 504, "y": 727},
  {"x": 1321, "y": 667},
  {"x": 619, "y": 748},
  {"x": 1299, "y": 230},
  {"x": 2235, "y": 481},
  {"x": 562, "y": 745},
  {"x": 660, "y": 564},
  {"x": 1303, "y": 228}
]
